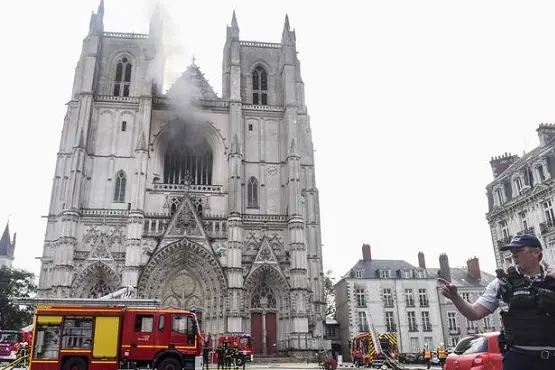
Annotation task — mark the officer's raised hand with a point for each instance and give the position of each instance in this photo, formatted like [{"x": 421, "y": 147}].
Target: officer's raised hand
[{"x": 447, "y": 289}]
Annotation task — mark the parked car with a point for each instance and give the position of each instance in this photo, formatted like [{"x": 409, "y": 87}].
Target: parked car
[{"x": 476, "y": 352}]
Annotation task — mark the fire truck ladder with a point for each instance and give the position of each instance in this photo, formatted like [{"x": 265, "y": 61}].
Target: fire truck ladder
[
  {"x": 389, "y": 362},
  {"x": 121, "y": 297}
]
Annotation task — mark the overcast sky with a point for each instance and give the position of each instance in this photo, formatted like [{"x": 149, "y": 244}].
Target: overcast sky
[{"x": 408, "y": 102}]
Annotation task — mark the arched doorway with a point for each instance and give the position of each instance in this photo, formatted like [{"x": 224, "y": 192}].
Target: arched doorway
[
  {"x": 186, "y": 275},
  {"x": 267, "y": 296},
  {"x": 95, "y": 281}
]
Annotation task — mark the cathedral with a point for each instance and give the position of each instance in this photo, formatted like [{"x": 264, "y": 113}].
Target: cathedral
[{"x": 199, "y": 200}]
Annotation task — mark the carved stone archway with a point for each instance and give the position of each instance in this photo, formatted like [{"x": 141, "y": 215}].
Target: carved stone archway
[
  {"x": 266, "y": 305},
  {"x": 185, "y": 274},
  {"x": 95, "y": 281}
]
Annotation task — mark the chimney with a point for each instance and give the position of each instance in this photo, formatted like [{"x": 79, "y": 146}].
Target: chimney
[
  {"x": 546, "y": 132},
  {"x": 366, "y": 253},
  {"x": 421, "y": 260},
  {"x": 501, "y": 163},
  {"x": 473, "y": 266},
  {"x": 444, "y": 269}
]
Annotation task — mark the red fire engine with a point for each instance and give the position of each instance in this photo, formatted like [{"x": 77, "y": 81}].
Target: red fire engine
[
  {"x": 9, "y": 344},
  {"x": 109, "y": 334},
  {"x": 243, "y": 341}
]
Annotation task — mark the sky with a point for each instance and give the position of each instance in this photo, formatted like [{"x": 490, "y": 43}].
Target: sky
[{"x": 408, "y": 101}]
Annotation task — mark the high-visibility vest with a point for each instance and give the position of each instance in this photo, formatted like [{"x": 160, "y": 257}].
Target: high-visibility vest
[
  {"x": 441, "y": 353},
  {"x": 427, "y": 354}
]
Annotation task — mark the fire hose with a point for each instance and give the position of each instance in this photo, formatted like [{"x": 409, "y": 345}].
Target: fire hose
[{"x": 13, "y": 364}]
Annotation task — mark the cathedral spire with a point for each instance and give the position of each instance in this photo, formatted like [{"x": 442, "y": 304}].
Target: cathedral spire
[
  {"x": 234, "y": 26},
  {"x": 156, "y": 23},
  {"x": 96, "y": 24},
  {"x": 100, "y": 10},
  {"x": 286, "y": 38},
  {"x": 6, "y": 245}
]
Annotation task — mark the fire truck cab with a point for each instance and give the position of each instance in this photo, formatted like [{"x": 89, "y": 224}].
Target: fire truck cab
[
  {"x": 109, "y": 337},
  {"x": 9, "y": 344}
]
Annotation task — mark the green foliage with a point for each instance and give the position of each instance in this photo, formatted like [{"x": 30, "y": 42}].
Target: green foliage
[{"x": 15, "y": 283}]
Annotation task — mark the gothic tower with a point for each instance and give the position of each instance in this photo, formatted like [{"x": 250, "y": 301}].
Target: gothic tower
[
  {"x": 195, "y": 199},
  {"x": 7, "y": 247}
]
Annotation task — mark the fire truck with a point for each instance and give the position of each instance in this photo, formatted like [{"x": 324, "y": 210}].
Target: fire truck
[
  {"x": 243, "y": 341},
  {"x": 9, "y": 344},
  {"x": 111, "y": 334},
  {"x": 365, "y": 349}
]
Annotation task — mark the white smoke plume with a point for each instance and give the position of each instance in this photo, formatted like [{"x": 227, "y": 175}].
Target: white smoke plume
[{"x": 172, "y": 54}]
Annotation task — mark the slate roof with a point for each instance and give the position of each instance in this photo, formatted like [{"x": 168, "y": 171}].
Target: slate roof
[
  {"x": 461, "y": 278},
  {"x": 370, "y": 268}
]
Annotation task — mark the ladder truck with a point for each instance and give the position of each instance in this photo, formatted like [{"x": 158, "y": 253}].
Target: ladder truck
[{"x": 112, "y": 332}]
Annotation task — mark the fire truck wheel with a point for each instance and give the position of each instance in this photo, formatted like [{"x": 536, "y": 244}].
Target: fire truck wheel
[
  {"x": 75, "y": 363},
  {"x": 239, "y": 361},
  {"x": 169, "y": 363}
]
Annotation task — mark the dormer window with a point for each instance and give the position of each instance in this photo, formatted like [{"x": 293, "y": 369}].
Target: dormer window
[
  {"x": 541, "y": 173},
  {"x": 518, "y": 184},
  {"x": 385, "y": 274},
  {"x": 498, "y": 197},
  {"x": 359, "y": 274}
]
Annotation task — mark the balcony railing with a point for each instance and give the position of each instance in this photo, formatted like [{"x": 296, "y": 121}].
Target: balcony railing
[
  {"x": 391, "y": 328},
  {"x": 504, "y": 241},
  {"x": 424, "y": 303},
  {"x": 427, "y": 327},
  {"x": 454, "y": 331},
  {"x": 547, "y": 226},
  {"x": 471, "y": 330},
  {"x": 413, "y": 327}
]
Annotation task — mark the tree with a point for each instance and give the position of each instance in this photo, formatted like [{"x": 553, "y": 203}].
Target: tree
[
  {"x": 329, "y": 294},
  {"x": 15, "y": 283}
]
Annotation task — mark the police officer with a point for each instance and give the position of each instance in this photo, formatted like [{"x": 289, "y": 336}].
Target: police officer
[{"x": 525, "y": 293}]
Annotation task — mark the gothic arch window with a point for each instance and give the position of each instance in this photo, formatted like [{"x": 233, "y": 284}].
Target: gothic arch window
[
  {"x": 119, "y": 189},
  {"x": 197, "y": 202},
  {"x": 263, "y": 297},
  {"x": 188, "y": 160},
  {"x": 259, "y": 86},
  {"x": 122, "y": 78},
  {"x": 99, "y": 289},
  {"x": 252, "y": 193}
]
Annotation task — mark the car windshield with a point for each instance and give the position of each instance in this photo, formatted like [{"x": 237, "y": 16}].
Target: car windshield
[
  {"x": 8, "y": 337},
  {"x": 472, "y": 345}
]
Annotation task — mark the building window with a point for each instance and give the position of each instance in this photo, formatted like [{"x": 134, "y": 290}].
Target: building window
[
  {"x": 359, "y": 273},
  {"x": 429, "y": 341},
  {"x": 143, "y": 323},
  {"x": 411, "y": 315},
  {"x": 409, "y": 298},
  {"x": 426, "y": 325},
  {"x": 423, "y": 298},
  {"x": 385, "y": 274},
  {"x": 252, "y": 193},
  {"x": 361, "y": 298},
  {"x": 390, "y": 321},
  {"x": 122, "y": 80},
  {"x": 498, "y": 197},
  {"x": 504, "y": 229},
  {"x": 119, "y": 189},
  {"x": 518, "y": 184},
  {"x": 466, "y": 296},
  {"x": 548, "y": 211},
  {"x": 250, "y": 127},
  {"x": 470, "y": 325},
  {"x": 523, "y": 220},
  {"x": 453, "y": 341},
  {"x": 541, "y": 173},
  {"x": 123, "y": 125},
  {"x": 487, "y": 323},
  {"x": 387, "y": 297},
  {"x": 452, "y": 321},
  {"x": 259, "y": 86},
  {"x": 362, "y": 322}
]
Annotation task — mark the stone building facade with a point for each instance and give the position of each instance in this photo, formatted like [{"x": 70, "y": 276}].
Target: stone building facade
[
  {"x": 199, "y": 200},
  {"x": 521, "y": 198},
  {"x": 393, "y": 296}
]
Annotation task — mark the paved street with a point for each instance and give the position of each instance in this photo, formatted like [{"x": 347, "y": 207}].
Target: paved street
[{"x": 303, "y": 366}]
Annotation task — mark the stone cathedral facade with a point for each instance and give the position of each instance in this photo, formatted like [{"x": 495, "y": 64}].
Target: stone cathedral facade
[{"x": 195, "y": 199}]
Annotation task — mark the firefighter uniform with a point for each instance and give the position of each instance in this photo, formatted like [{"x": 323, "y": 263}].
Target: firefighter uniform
[
  {"x": 221, "y": 357},
  {"x": 428, "y": 357},
  {"x": 527, "y": 311}
]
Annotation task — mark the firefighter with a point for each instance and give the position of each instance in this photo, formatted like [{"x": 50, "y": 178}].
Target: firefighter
[
  {"x": 525, "y": 293},
  {"x": 427, "y": 356},
  {"x": 206, "y": 354},
  {"x": 228, "y": 354},
  {"x": 221, "y": 357},
  {"x": 235, "y": 355},
  {"x": 441, "y": 354}
]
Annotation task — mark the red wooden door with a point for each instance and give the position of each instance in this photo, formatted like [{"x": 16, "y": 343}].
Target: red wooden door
[
  {"x": 271, "y": 333},
  {"x": 256, "y": 333}
]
